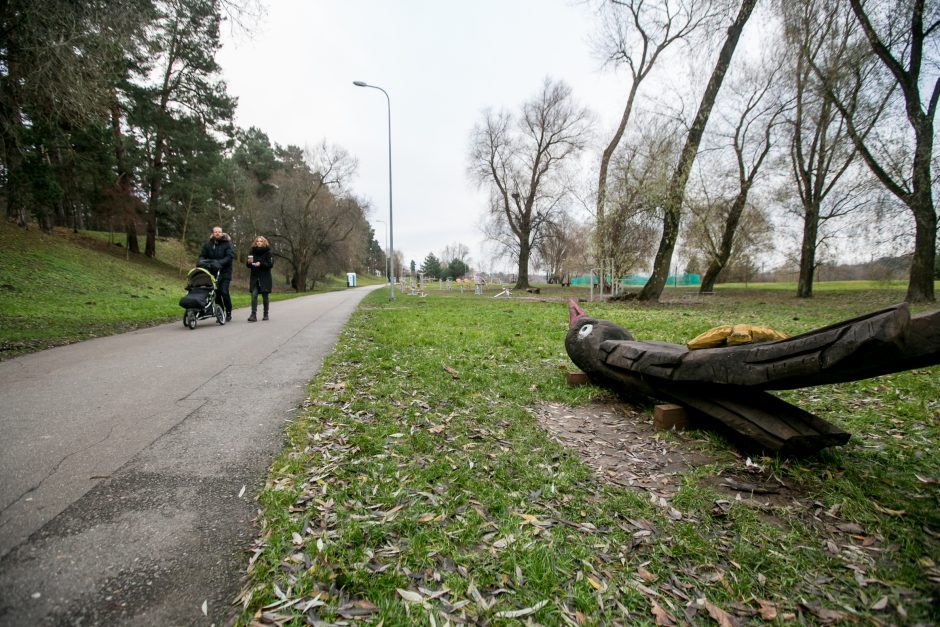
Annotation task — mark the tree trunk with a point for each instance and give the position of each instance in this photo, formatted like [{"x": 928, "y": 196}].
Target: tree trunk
[
  {"x": 156, "y": 181},
  {"x": 673, "y": 205},
  {"x": 522, "y": 282},
  {"x": 302, "y": 279},
  {"x": 130, "y": 230},
  {"x": 11, "y": 126},
  {"x": 720, "y": 260},
  {"x": 804, "y": 288},
  {"x": 46, "y": 221},
  {"x": 183, "y": 235},
  {"x": 920, "y": 286},
  {"x": 124, "y": 193},
  {"x": 156, "y": 173}
]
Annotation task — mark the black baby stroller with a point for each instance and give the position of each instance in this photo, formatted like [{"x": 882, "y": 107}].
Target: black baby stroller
[{"x": 199, "y": 300}]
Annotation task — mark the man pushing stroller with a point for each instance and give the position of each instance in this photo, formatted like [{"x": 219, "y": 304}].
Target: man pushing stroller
[{"x": 217, "y": 254}]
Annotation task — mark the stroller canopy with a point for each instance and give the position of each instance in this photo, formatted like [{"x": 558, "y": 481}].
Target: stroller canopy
[{"x": 200, "y": 277}]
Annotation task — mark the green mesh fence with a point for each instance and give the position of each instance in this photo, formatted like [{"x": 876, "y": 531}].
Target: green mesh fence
[{"x": 639, "y": 280}]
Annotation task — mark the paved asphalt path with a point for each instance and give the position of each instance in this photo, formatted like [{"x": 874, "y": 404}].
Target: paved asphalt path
[{"x": 122, "y": 460}]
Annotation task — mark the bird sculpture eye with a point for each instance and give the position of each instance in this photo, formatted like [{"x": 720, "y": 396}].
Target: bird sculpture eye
[{"x": 585, "y": 331}]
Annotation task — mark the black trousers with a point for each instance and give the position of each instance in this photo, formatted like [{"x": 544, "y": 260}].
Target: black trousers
[
  {"x": 222, "y": 296},
  {"x": 254, "y": 299}
]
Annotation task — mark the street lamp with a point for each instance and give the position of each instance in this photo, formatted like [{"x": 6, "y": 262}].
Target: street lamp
[
  {"x": 388, "y": 274},
  {"x": 391, "y": 233}
]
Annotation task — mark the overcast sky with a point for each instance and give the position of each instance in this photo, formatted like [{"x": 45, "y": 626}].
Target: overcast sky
[{"x": 442, "y": 62}]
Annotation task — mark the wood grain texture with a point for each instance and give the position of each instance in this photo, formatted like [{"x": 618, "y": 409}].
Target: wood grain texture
[{"x": 730, "y": 384}]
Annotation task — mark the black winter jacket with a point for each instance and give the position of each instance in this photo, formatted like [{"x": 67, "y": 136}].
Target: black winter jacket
[
  {"x": 261, "y": 275},
  {"x": 220, "y": 251}
]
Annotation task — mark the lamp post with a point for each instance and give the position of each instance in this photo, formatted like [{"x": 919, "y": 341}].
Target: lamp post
[
  {"x": 388, "y": 274},
  {"x": 391, "y": 232}
]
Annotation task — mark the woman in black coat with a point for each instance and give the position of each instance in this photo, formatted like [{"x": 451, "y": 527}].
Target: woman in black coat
[{"x": 260, "y": 262}]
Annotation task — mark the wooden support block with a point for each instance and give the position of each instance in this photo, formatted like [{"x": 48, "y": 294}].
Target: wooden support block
[
  {"x": 577, "y": 378},
  {"x": 670, "y": 416}
]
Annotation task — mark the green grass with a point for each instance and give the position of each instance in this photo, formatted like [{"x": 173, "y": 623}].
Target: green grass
[
  {"x": 399, "y": 477},
  {"x": 64, "y": 287}
]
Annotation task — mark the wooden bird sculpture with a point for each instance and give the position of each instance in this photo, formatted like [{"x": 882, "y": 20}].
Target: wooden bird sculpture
[{"x": 730, "y": 384}]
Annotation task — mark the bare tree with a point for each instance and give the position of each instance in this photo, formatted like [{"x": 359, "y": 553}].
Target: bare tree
[
  {"x": 705, "y": 235},
  {"x": 900, "y": 35},
  {"x": 752, "y": 139},
  {"x": 672, "y": 209},
  {"x": 310, "y": 214},
  {"x": 820, "y": 34},
  {"x": 522, "y": 161},
  {"x": 637, "y": 192},
  {"x": 556, "y": 247},
  {"x": 635, "y": 33},
  {"x": 453, "y": 251},
  {"x": 579, "y": 258}
]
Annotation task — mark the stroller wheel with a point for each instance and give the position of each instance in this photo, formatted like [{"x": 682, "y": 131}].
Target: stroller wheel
[
  {"x": 219, "y": 314},
  {"x": 189, "y": 318}
]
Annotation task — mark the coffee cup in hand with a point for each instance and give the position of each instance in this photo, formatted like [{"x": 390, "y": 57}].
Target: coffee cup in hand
[{"x": 251, "y": 258}]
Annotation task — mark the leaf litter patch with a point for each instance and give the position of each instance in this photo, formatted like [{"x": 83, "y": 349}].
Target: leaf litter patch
[{"x": 618, "y": 442}]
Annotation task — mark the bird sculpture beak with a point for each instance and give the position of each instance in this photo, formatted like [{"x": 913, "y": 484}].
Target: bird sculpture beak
[{"x": 574, "y": 312}]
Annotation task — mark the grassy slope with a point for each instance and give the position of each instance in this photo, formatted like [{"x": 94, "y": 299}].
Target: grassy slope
[
  {"x": 405, "y": 493},
  {"x": 66, "y": 287},
  {"x": 58, "y": 289}
]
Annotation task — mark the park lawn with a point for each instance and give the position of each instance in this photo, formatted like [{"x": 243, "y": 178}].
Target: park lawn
[
  {"x": 58, "y": 289},
  {"x": 417, "y": 487},
  {"x": 66, "y": 287}
]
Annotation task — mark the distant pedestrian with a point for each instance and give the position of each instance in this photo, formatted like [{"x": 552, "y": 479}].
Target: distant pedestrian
[
  {"x": 260, "y": 262},
  {"x": 219, "y": 250}
]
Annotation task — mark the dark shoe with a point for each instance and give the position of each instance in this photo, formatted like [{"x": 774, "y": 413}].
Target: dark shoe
[
  {"x": 228, "y": 316},
  {"x": 253, "y": 318},
  {"x": 265, "y": 316}
]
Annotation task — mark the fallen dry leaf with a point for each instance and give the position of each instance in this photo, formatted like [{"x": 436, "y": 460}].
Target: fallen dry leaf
[
  {"x": 662, "y": 616},
  {"x": 889, "y": 512},
  {"x": 356, "y": 609},
  {"x": 433, "y": 594},
  {"x": 768, "y": 610},
  {"x": 850, "y": 528},
  {"x": 523, "y": 612},
  {"x": 597, "y": 585},
  {"x": 390, "y": 514},
  {"x": 721, "y": 617},
  {"x": 314, "y": 602},
  {"x": 476, "y": 596},
  {"x": 647, "y": 576},
  {"x": 880, "y": 604},
  {"x": 825, "y": 615},
  {"x": 408, "y": 595}
]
